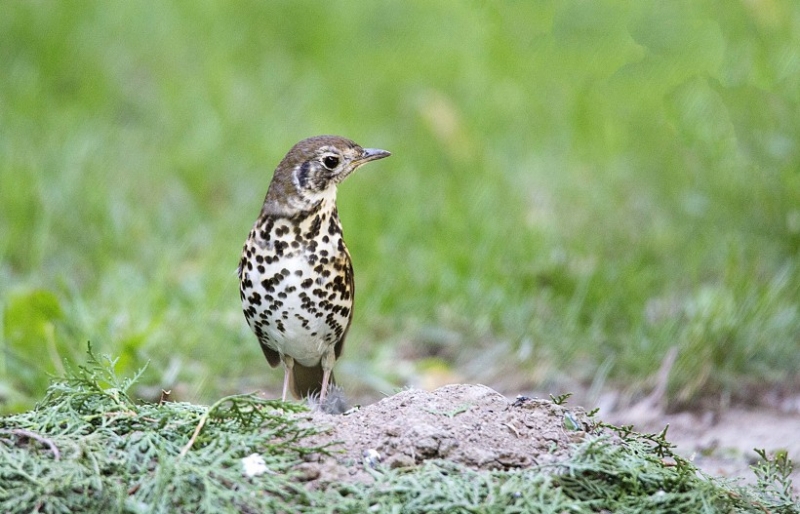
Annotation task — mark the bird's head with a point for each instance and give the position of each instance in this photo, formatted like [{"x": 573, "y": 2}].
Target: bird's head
[{"x": 311, "y": 170}]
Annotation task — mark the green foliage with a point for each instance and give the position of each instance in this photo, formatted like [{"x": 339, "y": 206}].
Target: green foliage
[
  {"x": 560, "y": 399},
  {"x": 29, "y": 325},
  {"x": 774, "y": 482},
  {"x": 88, "y": 447},
  {"x": 582, "y": 183},
  {"x": 602, "y": 477}
]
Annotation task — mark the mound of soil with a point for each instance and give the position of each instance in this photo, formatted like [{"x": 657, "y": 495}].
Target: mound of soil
[{"x": 472, "y": 425}]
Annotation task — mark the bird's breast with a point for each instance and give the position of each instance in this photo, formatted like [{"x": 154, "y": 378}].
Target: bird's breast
[{"x": 296, "y": 284}]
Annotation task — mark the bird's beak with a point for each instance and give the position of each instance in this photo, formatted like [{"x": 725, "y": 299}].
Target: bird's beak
[{"x": 372, "y": 154}]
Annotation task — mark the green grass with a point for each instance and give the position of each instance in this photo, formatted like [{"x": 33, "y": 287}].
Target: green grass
[
  {"x": 574, "y": 185},
  {"x": 89, "y": 447}
]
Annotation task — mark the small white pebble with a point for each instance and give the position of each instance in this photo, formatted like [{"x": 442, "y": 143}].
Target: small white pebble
[
  {"x": 371, "y": 457},
  {"x": 254, "y": 465}
]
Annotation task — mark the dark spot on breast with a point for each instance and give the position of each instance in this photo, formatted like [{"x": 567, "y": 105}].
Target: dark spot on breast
[
  {"x": 333, "y": 226},
  {"x": 313, "y": 230},
  {"x": 302, "y": 320}
]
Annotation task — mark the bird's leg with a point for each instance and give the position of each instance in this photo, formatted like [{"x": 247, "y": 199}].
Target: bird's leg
[
  {"x": 288, "y": 371},
  {"x": 326, "y": 376},
  {"x": 327, "y": 362}
]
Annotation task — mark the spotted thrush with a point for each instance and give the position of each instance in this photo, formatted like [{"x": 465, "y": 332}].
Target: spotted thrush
[{"x": 295, "y": 273}]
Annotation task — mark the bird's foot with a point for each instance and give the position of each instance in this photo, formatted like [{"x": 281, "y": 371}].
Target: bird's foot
[{"x": 334, "y": 402}]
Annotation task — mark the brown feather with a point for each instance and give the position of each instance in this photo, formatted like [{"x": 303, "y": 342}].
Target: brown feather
[
  {"x": 273, "y": 357},
  {"x": 307, "y": 381}
]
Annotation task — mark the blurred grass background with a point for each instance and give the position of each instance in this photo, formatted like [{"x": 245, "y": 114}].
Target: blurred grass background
[{"x": 576, "y": 187}]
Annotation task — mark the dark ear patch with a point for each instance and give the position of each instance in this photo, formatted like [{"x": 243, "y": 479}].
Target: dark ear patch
[{"x": 302, "y": 175}]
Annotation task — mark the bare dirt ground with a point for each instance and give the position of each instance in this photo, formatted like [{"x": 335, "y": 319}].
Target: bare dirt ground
[
  {"x": 478, "y": 427},
  {"x": 472, "y": 425},
  {"x": 723, "y": 444}
]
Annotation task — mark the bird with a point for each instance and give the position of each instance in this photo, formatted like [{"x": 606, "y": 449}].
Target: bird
[{"x": 295, "y": 272}]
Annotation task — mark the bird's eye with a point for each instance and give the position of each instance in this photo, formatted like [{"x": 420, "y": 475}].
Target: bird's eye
[{"x": 330, "y": 161}]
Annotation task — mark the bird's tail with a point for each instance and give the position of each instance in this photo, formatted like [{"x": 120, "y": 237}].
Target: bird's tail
[{"x": 307, "y": 381}]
